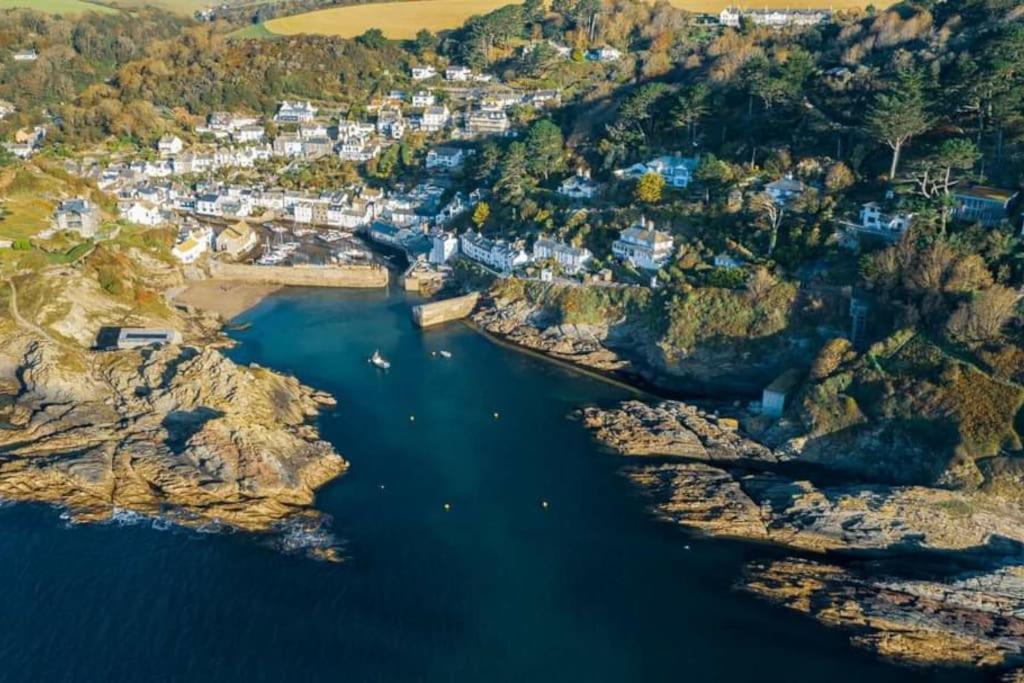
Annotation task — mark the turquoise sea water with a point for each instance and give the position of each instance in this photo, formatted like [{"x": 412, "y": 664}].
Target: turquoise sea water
[{"x": 496, "y": 589}]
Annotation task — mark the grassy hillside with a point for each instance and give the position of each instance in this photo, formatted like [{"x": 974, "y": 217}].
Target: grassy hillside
[
  {"x": 55, "y": 6},
  {"x": 401, "y": 20}
]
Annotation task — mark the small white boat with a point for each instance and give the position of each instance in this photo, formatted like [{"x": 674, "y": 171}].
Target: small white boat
[
  {"x": 379, "y": 361},
  {"x": 446, "y": 354}
]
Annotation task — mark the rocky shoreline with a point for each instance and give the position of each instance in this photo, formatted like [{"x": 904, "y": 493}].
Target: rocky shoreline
[
  {"x": 868, "y": 539},
  {"x": 180, "y": 432}
]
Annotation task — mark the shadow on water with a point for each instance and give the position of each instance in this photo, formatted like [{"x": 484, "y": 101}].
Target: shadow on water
[{"x": 456, "y": 570}]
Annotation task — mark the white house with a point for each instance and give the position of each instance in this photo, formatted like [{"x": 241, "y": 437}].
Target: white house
[
  {"x": 423, "y": 73},
  {"x": 496, "y": 254},
  {"x": 209, "y": 204},
  {"x": 424, "y": 98},
  {"x": 195, "y": 244},
  {"x": 643, "y": 246},
  {"x": 445, "y": 157},
  {"x": 488, "y": 123},
  {"x": 236, "y": 239},
  {"x": 391, "y": 123},
  {"x": 774, "y": 18},
  {"x": 874, "y": 220},
  {"x": 677, "y": 171},
  {"x": 245, "y": 134},
  {"x": 142, "y": 214},
  {"x": 572, "y": 259},
  {"x": 458, "y": 73},
  {"x": 579, "y": 186},
  {"x": 784, "y": 190},
  {"x": 295, "y": 112},
  {"x": 604, "y": 54},
  {"x": 170, "y": 144},
  {"x": 25, "y": 56},
  {"x": 435, "y": 118},
  {"x": 443, "y": 246}
]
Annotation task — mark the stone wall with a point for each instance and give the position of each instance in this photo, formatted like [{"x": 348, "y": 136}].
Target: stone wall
[
  {"x": 437, "y": 312},
  {"x": 346, "y": 276}
]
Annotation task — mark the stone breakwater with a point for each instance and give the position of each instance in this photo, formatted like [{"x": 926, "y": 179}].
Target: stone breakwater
[
  {"x": 176, "y": 432},
  {"x": 356, "y": 276},
  {"x": 969, "y": 610},
  {"x": 439, "y": 312}
]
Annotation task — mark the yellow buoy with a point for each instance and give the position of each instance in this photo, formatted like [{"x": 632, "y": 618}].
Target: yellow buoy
[
  {"x": 544, "y": 504},
  {"x": 447, "y": 507}
]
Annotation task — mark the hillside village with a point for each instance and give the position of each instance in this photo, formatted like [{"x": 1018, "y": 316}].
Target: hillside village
[{"x": 808, "y": 220}]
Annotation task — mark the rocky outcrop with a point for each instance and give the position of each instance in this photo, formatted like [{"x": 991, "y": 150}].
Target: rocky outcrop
[
  {"x": 671, "y": 428},
  {"x": 800, "y": 515},
  {"x": 523, "y": 325},
  {"x": 726, "y": 485},
  {"x": 974, "y": 618},
  {"x": 177, "y": 432}
]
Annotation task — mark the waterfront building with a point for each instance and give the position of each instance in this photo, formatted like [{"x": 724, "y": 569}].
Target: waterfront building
[
  {"x": 236, "y": 239},
  {"x": 776, "y": 394},
  {"x": 195, "y": 243},
  {"x": 139, "y": 337},
  {"x": 443, "y": 246}
]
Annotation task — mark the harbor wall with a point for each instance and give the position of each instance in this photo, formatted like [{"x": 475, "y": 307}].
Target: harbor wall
[
  {"x": 355, "y": 276},
  {"x": 437, "y": 312}
]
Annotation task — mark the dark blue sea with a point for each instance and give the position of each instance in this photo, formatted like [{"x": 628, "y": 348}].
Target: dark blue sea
[{"x": 498, "y": 588}]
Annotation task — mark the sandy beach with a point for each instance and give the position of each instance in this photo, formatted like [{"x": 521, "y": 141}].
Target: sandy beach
[{"x": 227, "y": 298}]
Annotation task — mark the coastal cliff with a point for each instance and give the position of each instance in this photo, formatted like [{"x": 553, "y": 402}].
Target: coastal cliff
[
  {"x": 693, "y": 345},
  {"x": 961, "y": 602},
  {"x": 178, "y": 432}
]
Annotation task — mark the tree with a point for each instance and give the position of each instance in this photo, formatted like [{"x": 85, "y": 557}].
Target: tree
[
  {"x": 373, "y": 39},
  {"x": 480, "y": 214},
  {"x": 771, "y": 214},
  {"x": 838, "y": 177},
  {"x": 514, "y": 180},
  {"x": 487, "y": 162},
  {"x": 960, "y": 155},
  {"x": 691, "y": 108},
  {"x": 983, "y": 317},
  {"x": 425, "y": 42},
  {"x": 649, "y": 188},
  {"x": 544, "y": 148},
  {"x": 899, "y": 115}
]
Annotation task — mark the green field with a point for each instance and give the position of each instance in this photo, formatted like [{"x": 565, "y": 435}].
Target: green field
[{"x": 55, "y": 6}]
